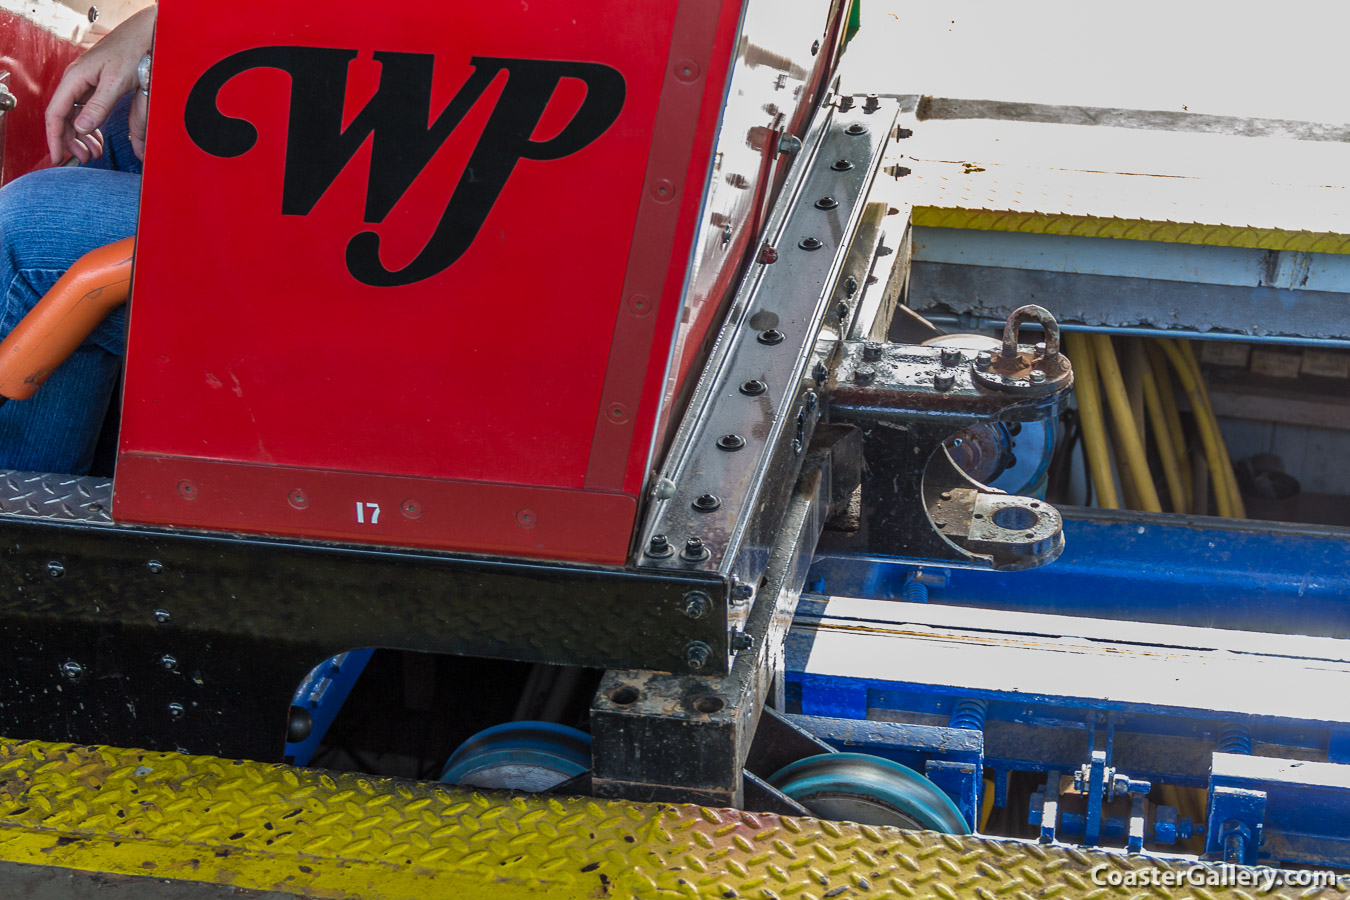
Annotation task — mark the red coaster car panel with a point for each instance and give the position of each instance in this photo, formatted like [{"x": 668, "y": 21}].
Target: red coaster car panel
[{"x": 419, "y": 284}]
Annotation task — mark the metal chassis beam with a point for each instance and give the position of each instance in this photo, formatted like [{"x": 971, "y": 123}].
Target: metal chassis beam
[{"x": 172, "y": 640}]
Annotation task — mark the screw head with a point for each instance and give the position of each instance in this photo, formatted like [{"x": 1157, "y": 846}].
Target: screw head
[
  {"x": 730, "y": 442},
  {"x": 169, "y": 661},
  {"x": 71, "y": 670},
  {"x": 771, "y": 336},
  {"x": 951, "y": 356},
  {"x": 856, "y": 129},
  {"x": 827, "y": 203},
  {"x": 297, "y": 499},
  {"x": 810, "y": 243},
  {"x": 696, "y": 655},
  {"x": 706, "y": 502},
  {"x": 176, "y": 710},
  {"x": 697, "y": 604},
  {"x": 864, "y": 374},
  {"x": 694, "y": 550},
  {"x": 841, "y": 165},
  {"x": 154, "y": 566},
  {"x": 943, "y": 381},
  {"x": 1037, "y": 376},
  {"x": 55, "y": 569},
  {"x": 162, "y": 616},
  {"x": 187, "y": 490},
  {"x": 754, "y": 387}
]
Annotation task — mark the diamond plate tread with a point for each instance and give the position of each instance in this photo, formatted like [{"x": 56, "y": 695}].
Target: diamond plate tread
[
  {"x": 1132, "y": 207},
  {"x": 273, "y": 827},
  {"x": 70, "y": 498}
]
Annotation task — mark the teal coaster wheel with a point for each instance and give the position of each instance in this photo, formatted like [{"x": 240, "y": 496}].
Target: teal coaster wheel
[
  {"x": 869, "y": 790},
  {"x": 520, "y": 756}
]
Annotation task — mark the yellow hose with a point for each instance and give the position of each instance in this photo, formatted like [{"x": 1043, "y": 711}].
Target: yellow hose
[
  {"x": 1123, "y": 416},
  {"x": 1209, "y": 437},
  {"x": 986, "y": 804},
  {"x": 1162, "y": 375},
  {"x": 1163, "y": 435},
  {"x": 1091, "y": 419},
  {"x": 1230, "y": 477}
]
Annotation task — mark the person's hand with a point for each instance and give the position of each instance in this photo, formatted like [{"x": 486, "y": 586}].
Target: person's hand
[
  {"x": 91, "y": 86},
  {"x": 140, "y": 105}
]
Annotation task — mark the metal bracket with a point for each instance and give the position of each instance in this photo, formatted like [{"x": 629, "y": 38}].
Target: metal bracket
[{"x": 908, "y": 401}]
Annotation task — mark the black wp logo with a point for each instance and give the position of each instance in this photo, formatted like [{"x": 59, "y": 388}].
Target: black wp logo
[{"x": 395, "y": 119}]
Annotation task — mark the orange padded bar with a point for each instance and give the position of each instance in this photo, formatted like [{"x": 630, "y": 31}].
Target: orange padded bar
[{"x": 93, "y": 287}]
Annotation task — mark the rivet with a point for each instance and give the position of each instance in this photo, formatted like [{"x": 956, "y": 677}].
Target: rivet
[
  {"x": 187, "y": 490},
  {"x": 71, "y": 670},
  {"x": 707, "y": 502},
  {"x": 176, "y": 710},
  {"x": 827, "y": 203},
  {"x": 856, "y": 129},
  {"x": 169, "y": 662},
  {"x": 297, "y": 499},
  {"x": 841, "y": 165},
  {"x": 810, "y": 243},
  {"x": 730, "y": 442},
  {"x": 526, "y": 518},
  {"x": 154, "y": 566},
  {"x": 771, "y": 336},
  {"x": 754, "y": 387},
  {"x": 55, "y": 569},
  {"x": 162, "y": 616}
]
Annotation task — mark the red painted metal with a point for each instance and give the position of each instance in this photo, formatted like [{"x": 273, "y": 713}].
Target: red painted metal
[
  {"x": 35, "y": 60},
  {"x": 528, "y": 375}
]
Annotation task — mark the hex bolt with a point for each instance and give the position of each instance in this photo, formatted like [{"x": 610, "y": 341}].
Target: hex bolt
[
  {"x": 951, "y": 356},
  {"x": 740, "y": 591},
  {"x": 730, "y": 442},
  {"x": 72, "y": 670},
  {"x": 819, "y": 373},
  {"x": 850, "y": 285},
  {"x": 845, "y": 102},
  {"x": 659, "y": 546},
  {"x": 815, "y": 47},
  {"x": 1037, "y": 376},
  {"x": 943, "y": 381},
  {"x": 984, "y": 359},
  {"x": 169, "y": 661},
  {"x": 872, "y": 103},
  {"x": 741, "y": 641},
  {"x": 810, "y": 243},
  {"x": 864, "y": 374},
  {"x": 789, "y": 143},
  {"x": 162, "y": 616},
  {"x": 55, "y": 569},
  {"x": 771, "y": 336},
  {"x": 856, "y": 129},
  {"x": 155, "y": 566},
  {"x": 754, "y": 387},
  {"x": 827, "y": 203},
  {"x": 694, "y": 550},
  {"x": 841, "y": 310},
  {"x": 696, "y": 655},
  {"x": 841, "y": 165},
  {"x": 706, "y": 502},
  {"x": 872, "y": 351},
  {"x": 176, "y": 710},
  {"x": 697, "y": 604}
]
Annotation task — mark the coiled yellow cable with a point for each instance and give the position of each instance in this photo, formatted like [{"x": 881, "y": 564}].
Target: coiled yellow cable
[
  {"x": 1130, "y": 444},
  {"x": 1091, "y": 418}
]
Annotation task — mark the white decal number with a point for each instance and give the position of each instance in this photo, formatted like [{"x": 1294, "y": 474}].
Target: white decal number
[{"x": 361, "y": 513}]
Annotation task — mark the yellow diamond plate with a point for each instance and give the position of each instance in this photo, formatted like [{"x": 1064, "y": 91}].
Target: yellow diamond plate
[
  {"x": 1216, "y": 213},
  {"x": 273, "y": 827},
  {"x": 1031, "y": 222}
]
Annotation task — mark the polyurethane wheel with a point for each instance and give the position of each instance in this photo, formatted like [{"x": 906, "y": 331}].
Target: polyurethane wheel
[
  {"x": 856, "y": 787},
  {"x": 520, "y": 756}
]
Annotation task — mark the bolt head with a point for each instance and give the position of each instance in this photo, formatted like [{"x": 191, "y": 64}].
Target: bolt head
[
  {"x": 754, "y": 387},
  {"x": 771, "y": 336},
  {"x": 951, "y": 356},
  {"x": 707, "y": 502},
  {"x": 864, "y": 374},
  {"x": 696, "y": 655},
  {"x": 872, "y": 351},
  {"x": 162, "y": 616},
  {"x": 730, "y": 442},
  {"x": 810, "y": 243},
  {"x": 984, "y": 359},
  {"x": 694, "y": 550},
  {"x": 168, "y": 661},
  {"x": 856, "y": 129},
  {"x": 741, "y": 641},
  {"x": 71, "y": 670},
  {"x": 55, "y": 569},
  {"x": 154, "y": 566},
  {"x": 841, "y": 165},
  {"x": 789, "y": 144},
  {"x": 943, "y": 381},
  {"x": 1037, "y": 376},
  {"x": 697, "y": 604},
  {"x": 176, "y": 710}
]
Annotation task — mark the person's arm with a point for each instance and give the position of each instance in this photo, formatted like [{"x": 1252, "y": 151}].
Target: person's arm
[{"x": 92, "y": 84}]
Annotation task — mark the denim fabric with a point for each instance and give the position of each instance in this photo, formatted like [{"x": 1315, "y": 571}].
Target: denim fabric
[{"x": 48, "y": 220}]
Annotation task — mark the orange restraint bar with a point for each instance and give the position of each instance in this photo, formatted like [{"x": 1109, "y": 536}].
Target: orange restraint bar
[{"x": 96, "y": 285}]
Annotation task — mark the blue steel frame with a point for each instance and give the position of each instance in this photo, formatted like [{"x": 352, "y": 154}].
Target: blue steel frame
[{"x": 1249, "y": 576}]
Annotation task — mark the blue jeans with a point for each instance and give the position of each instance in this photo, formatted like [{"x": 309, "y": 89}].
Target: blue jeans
[{"x": 48, "y": 220}]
